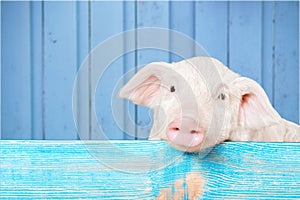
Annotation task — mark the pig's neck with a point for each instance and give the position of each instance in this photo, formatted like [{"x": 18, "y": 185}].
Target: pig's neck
[{"x": 282, "y": 131}]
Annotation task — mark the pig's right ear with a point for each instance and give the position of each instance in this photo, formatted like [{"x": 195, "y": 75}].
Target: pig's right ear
[
  {"x": 255, "y": 109},
  {"x": 143, "y": 88}
]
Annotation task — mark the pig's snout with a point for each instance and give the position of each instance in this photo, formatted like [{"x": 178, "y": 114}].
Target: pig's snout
[{"x": 185, "y": 132}]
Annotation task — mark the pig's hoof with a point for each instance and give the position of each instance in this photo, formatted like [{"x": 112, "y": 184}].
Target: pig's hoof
[{"x": 190, "y": 187}]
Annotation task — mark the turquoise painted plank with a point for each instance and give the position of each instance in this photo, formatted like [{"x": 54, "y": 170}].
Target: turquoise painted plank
[
  {"x": 37, "y": 121},
  {"x": 245, "y": 38},
  {"x": 286, "y": 97},
  {"x": 268, "y": 48},
  {"x": 154, "y": 15},
  {"x": 147, "y": 170},
  {"x": 60, "y": 68},
  {"x": 129, "y": 66},
  {"x": 15, "y": 70},
  {"x": 182, "y": 19},
  {"x": 211, "y": 25},
  {"x": 83, "y": 49},
  {"x": 106, "y": 21}
]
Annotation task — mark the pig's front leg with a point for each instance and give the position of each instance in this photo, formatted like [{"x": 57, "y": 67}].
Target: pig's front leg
[
  {"x": 292, "y": 133},
  {"x": 256, "y": 118},
  {"x": 283, "y": 131}
]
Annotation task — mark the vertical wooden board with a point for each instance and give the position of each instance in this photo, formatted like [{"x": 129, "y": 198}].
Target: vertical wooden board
[
  {"x": 36, "y": 69},
  {"x": 154, "y": 15},
  {"x": 182, "y": 19},
  {"x": 15, "y": 70},
  {"x": 0, "y": 75},
  {"x": 83, "y": 115},
  {"x": 60, "y": 68},
  {"x": 286, "y": 97},
  {"x": 106, "y": 21},
  {"x": 246, "y": 38},
  {"x": 211, "y": 25},
  {"x": 129, "y": 16},
  {"x": 267, "y": 48}
]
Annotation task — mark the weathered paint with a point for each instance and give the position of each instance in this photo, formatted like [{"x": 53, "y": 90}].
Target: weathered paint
[
  {"x": 211, "y": 28},
  {"x": 129, "y": 170},
  {"x": 37, "y": 61},
  {"x": 0, "y": 70},
  {"x": 59, "y": 69},
  {"x": 83, "y": 47},
  {"x": 286, "y": 55},
  {"x": 42, "y": 51},
  {"x": 111, "y": 14},
  {"x": 245, "y": 36}
]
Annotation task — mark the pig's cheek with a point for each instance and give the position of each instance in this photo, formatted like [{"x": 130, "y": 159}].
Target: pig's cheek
[{"x": 160, "y": 123}]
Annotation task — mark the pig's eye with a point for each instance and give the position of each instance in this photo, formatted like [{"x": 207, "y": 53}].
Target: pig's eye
[
  {"x": 172, "y": 88},
  {"x": 222, "y": 96}
]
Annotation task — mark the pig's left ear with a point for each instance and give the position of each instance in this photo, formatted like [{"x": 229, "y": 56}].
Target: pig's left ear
[
  {"x": 143, "y": 88},
  {"x": 255, "y": 109}
]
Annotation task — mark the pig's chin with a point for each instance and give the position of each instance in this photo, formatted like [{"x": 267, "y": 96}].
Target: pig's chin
[{"x": 185, "y": 142}]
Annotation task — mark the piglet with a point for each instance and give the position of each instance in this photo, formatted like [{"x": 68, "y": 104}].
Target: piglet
[{"x": 199, "y": 102}]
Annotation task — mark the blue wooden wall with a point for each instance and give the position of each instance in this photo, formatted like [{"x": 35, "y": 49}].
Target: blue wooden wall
[{"x": 44, "y": 43}]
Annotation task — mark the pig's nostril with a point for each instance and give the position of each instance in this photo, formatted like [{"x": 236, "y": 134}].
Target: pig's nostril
[
  {"x": 174, "y": 129},
  {"x": 184, "y": 132},
  {"x": 194, "y": 132}
]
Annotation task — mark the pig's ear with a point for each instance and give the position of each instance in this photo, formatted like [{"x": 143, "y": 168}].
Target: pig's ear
[
  {"x": 255, "y": 109},
  {"x": 143, "y": 88}
]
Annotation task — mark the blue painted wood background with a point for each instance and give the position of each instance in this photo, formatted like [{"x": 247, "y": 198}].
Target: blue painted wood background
[{"x": 44, "y": 43}]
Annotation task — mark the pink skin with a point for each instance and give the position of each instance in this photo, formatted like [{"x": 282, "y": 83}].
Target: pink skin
[
  {"x": 245, "y": 115},
  {"x": 185, "y": 132}
]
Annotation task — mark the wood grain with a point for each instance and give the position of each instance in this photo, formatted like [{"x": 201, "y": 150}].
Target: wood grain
[{"x": 147, "y": 170}]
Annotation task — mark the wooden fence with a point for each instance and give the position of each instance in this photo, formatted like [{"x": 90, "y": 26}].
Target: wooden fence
[{"x": 44, "y": 43}]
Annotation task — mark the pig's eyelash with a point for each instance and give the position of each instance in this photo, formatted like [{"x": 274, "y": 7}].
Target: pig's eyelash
[
  {"x": 172, "y": 88},
  {"x": 222, "y": 96}
]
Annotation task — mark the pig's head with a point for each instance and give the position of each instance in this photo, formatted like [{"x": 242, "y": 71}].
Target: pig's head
[{"x": 198, "y": 102}]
